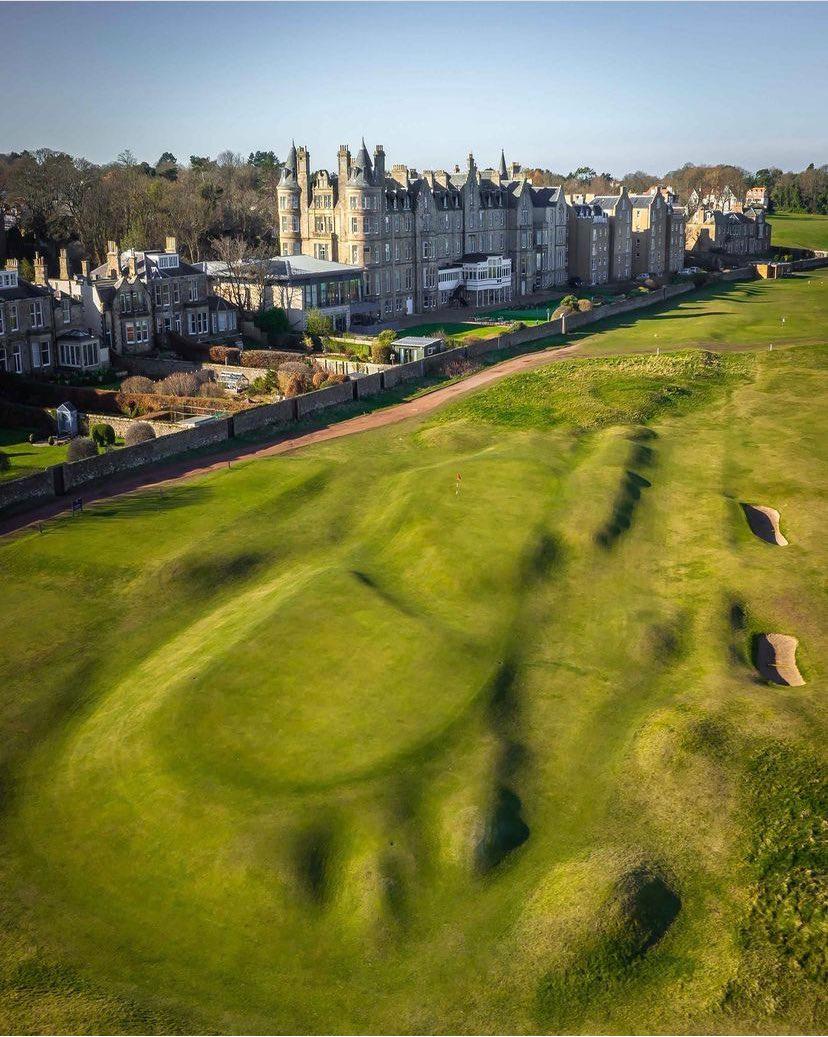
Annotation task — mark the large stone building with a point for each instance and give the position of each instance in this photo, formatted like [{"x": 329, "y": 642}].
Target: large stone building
[
  {"x": 424, "y": 240},
  {"x": 589, "y": 243},
  {"x": 745, "y": 233},
  {"x": 43, "y": 330},
  {"x": 618, "y": 210}
]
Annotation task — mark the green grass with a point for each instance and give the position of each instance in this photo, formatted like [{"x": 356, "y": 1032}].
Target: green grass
[
  {"x": 456, "y": 330},
  {"x": 317, "y": 744},
  {"x": 799, "y": 230},
  {"x": 26, "y": 458}
]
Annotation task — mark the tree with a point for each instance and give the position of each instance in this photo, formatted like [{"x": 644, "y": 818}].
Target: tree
[
  {"x": 167, "y": 159},
  {"x": 102, "y": 434},
  {"x": 247, "y": 267}
]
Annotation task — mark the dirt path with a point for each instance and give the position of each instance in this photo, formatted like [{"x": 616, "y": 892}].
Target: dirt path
[{"x": 185, "y": 468}]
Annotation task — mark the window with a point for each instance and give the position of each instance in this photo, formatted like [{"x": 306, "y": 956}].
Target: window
[
  {"x": 354, "y": 225},
  {"x": 126, "y": 302},
  {"x": 198, "y": 322},
  {"x": 67, "y": 311},
  {"x": 193, "y": 287},
  {"x": 17, "y": 360},
  {"x": 8, "y": 278},
  {"x": 79, "y": 354},
  {"x": 355, "y": 253},
  {"x": 4, "y": 363},
  {"x": 387, "y": 252},
  {"x": 36, "y": 313},
  {"x": 168, "y": 262},
  {"x": 320, "y": 251},
  {"x": 176, "y": 292},
  {"x": 45, "y": 355}
]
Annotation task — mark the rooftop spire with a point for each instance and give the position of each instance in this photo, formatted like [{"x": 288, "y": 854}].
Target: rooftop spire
[{"x": 503, "y": 163}]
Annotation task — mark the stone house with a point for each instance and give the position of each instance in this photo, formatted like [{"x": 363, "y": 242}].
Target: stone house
[
  {"x": 649, "y": 233},
  {"x": 42, "y": 330},
  {"x": 732, "y": 233},
  {"x": 589, "y": 244},
  {"x": 618, "y": 210}
]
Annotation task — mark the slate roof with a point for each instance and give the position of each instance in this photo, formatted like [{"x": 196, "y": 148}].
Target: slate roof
[{"x": 24, "y": 290}]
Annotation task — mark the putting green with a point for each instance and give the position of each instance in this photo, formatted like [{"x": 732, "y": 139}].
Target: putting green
[{"x": 336, "y": 742}]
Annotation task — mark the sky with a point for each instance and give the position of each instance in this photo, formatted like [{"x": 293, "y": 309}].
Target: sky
[{"x": 614, "y": 86}]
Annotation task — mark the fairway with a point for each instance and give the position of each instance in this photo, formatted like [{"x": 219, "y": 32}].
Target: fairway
[
  {"x": 799, "y": 230},
  {"x": 338, "y": 742}
]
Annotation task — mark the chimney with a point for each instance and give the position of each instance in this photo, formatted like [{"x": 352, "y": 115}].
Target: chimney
[
  {"x": 344, "y": 165},
  {"x": 113, "y": 266},
  {"x": 441, "y": 176},
  {"x": 133, "y": 272},
  {"x": 399, "y": 172},
  {"x": 63, "y": 265},
  {"x": 85, "y": 268},
  {"x": 170, "y": 244},
  {"x": 379, "y": 163},
  {"x": 39, "y": 269},
  {"x": 12, "y": 264}
]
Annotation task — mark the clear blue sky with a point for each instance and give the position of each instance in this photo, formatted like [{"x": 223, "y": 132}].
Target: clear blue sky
[{"x": 615, "y": 86}]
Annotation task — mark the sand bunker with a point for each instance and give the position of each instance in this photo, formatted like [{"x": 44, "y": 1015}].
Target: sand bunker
[
  {"x": 776, "y": 659},
  {"x": 764, "y": 522}
]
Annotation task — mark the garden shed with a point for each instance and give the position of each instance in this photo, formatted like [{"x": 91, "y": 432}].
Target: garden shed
[{"x": 67, "y": 419}]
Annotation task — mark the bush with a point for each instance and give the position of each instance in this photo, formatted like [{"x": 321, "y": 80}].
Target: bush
[
  {"x": 380, "y": 352},
  {"x": 32, "y": 437},
  {"x": 294, "y": 375},
  {"x": 179, "y": 383},
  {"x": 516, "y": 325},
  {"x": 319, "y": 378},
  {"x": 225, "y": 354},
  {"x": 51, "y": 440},
  {"x": 292, "y": 385},
  {"x": 273, "y": 322},
  {"x": 140, "y": 432},
  {"x": 270, "y": 358},
  {"x": 102, "y": 434},
  {"x": 569, "y": 302},
  {"x": 317, "y": 324},
  {"x": 5, "y": 463},
  {"x": 700, "y": 279},
  {"x": 137, "y": 383},
  {"x": 80, "y": 448},
  {"x": 584, "y": 305},
  {"x": 212, "y": 390}
]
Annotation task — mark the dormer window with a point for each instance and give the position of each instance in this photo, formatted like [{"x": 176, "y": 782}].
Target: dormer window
[
  {"x": 168, "y": 261},
  {"x": 8, "y": 279}
]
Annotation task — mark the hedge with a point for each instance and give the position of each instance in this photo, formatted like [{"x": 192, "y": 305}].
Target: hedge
[
  {"x": 269, "y": 358},
  {"x": 132, "y": 403}
]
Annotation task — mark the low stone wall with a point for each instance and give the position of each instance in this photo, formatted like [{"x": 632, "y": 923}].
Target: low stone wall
[
  {"x": 260, "y": 417},
  {"x": 440, "y": 361},
  {"x": 29, "y": 488},
  {"x": 330, "y": 397},
  {"x": 809, "y": 264},
  {"x": 368, "y": 385},
  {"x": 348, "y": 366},
  {"x": 120, "y": 425},
  {"x": 78, "y": 473},
  {"x": 738, "y": 273}
]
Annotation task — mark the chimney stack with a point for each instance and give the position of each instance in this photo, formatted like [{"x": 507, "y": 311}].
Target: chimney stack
[
  {"x": 63, "y": 265},
  {"x": 39, "y": 269},
  {"x": 170, "y": 245},
  {"x": 379, "y": 163},
  {"x": 399, "y": 172},
  {"x": 344, "y": 164},
  {"x": 85, "y": 265},
  {"x": 113, "y": 266},
  {"x": 12, "y": 264},
  {"x": 131, "y": 266}
]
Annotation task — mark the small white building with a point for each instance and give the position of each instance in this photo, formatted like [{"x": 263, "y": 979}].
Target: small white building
[
  {"x": 67, "y": 420},
  {"x": 416, "y": 347}
]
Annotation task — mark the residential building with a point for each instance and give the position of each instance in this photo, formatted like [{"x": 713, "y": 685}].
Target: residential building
[
  {"x": 296, "y": 283},
  {"x": 675, "y": 227},
  {"x": 618, "y": 210},
  {"x": 649, "y": 233},
  {"x": 725, "y": 200},
  {"x": 757, "y": 198},
  {"x": 731, "y": 233},
  {"x": 43, "y": 330},
  {"x": 405, "y": 228},
  {"x": 589, "y": 244},
  {"x": 151, "y": 299}
]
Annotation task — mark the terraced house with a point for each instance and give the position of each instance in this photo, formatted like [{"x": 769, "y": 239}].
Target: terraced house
[
  {"x": 745, "y": 233},
  {"x": 43, "y": 330},
  {"x": 424, "y": 240},
  {"x": 143, "y": 300}
]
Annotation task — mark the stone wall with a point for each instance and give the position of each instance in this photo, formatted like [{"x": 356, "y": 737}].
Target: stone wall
[
  {"x": 29, "y": 489},
  {"x": 78, "y": 473},
  {"x": 161, "y": 428},
  {"x": 322, "y": 398},
  {"x": 368, "y": 385},
  {"x": 260, "y": 417}
]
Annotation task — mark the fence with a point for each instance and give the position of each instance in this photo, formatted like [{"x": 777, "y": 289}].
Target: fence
[{"x": 61, "y": 479}]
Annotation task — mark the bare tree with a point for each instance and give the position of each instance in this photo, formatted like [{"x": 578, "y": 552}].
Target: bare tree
[{"x": 246, "y": 270}]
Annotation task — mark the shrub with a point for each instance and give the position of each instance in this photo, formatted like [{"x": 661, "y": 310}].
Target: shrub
[
  {"x": 700, "y": 279},
  {"x": 212, "y": 390},
  {"x": 80, "y": 448},
  {"x": 225, "y": 354},
  {"x": 273, "y": 322},
  {"x": 292, "y": 385},
  {"x": 265, "y": 358},
  {"x": 584, "y": 305},
  {"x": 102, "y": 434},
  {"x": 516, "y": 325},
  {"x": 335, "y": 378},
  {"x": 137, "y": 383},
  {"x": 179, "y": 383},
  {"x": 32, "y": 437},
  {"x": 317, "y": 324},
  {"x": 5, "y": 463},
  {"x": 140, "y": 432},
  {"x": 309, "y": 343},
  {"x": 51, "y": 440},
  {"x": 380, "y": 352},
  {"x": 569, "y": 302},
  {"x": 319, "y": 378}
]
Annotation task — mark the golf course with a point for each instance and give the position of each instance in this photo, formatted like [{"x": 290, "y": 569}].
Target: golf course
[{"x": 471, "y": 723}]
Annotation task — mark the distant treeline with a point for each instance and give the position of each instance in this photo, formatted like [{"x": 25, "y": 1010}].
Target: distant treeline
[{"x": 798, "y": 192}]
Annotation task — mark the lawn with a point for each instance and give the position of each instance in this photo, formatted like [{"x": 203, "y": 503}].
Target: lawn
[
  {"x": 799, "y": 230},
  {"x": 321, "y": 744},
  {"x": 27, "y": 458},
  {"x": 725, "y": 316},
  {"x": 455, "y": 330}
]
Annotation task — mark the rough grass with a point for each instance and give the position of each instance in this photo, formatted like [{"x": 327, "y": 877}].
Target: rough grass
[
  {"x": 317, "y": 744},
  {"x": 459, "y": 331},
  {"x": 586, "y": 394},
  {"x": 799, "y": 230}
]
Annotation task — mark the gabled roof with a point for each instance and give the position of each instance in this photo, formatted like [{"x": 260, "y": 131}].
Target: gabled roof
[{"x": 24, "y": 290}]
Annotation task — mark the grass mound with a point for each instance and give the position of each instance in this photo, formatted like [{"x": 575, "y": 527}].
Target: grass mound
[{"x": 581, "y": 394}]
